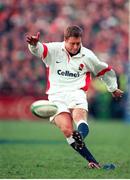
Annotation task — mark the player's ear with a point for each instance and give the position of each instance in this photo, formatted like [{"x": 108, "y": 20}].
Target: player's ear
[{"x": 65, "y": 39}]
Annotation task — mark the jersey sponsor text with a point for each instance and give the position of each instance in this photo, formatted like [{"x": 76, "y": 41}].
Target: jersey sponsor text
[{"x": 67, "y": 73}]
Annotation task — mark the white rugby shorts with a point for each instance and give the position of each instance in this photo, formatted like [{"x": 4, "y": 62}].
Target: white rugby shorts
[{"x": 69, "y": 100}]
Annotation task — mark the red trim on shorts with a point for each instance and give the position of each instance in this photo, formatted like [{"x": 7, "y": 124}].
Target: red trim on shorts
[
  {"x": 48, "y": 82},
  {"x": 87, "y": 81},
  {"x": 45, "y": 51},
  {"x": 104, "y": 71}
]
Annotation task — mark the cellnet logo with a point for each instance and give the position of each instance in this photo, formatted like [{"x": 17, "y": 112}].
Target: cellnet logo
[{"x": 67, "y": 73}]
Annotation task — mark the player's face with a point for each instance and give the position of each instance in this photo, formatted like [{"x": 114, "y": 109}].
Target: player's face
[{"x": 73, "y": 44}]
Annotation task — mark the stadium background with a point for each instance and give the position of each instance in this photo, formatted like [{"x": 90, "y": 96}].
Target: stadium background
[{"x": 22, "y": 76}]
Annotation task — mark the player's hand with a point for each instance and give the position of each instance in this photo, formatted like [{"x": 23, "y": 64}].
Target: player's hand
[
  {"x": 117, "y": 93},
  {"x": 93, "y": 165},
  {"x": 32, "y": 40}
]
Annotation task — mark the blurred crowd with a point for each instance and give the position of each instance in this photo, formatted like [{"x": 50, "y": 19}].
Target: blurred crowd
[{"x": 105, "y": 25}]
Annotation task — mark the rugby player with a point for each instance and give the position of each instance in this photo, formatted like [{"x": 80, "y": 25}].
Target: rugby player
[{"x": 70, "y": 66}]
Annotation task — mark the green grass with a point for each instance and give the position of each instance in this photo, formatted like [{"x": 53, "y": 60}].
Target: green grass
[{"x": 38, "y": 150}]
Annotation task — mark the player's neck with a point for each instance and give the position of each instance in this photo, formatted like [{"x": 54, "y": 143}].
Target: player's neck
[{"x": 71, "y": 54}]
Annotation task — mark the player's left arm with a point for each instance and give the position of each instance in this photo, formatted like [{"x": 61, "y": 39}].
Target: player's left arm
[
  {"x": 106, "y": 74},
  {"x": 110, "y": 79},
  {"x": 118, "y": 93}
]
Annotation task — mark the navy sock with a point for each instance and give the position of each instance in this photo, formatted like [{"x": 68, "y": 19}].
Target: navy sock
[
  {"x": 85, "y": 153},
  {"x": 83, "y": 129}
]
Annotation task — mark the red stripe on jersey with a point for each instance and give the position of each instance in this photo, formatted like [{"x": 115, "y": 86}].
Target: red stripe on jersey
[
  {"x": 87, "y": 81},
  {"x": 45, "y": 50},
  {"x": 68, "y": 57},
  {"x": 48, "y": 82},
  {"x": 104, "y": 71}
]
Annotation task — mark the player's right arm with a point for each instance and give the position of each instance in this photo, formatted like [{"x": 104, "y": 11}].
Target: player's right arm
[{"x": 35, "y": 47}]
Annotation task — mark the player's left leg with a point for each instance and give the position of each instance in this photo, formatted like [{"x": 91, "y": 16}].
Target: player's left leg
[
  {"x": 79, "y": 116},
  {"x": 78, "y": 106}
]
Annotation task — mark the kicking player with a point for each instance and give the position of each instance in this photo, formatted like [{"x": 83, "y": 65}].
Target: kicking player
[{"x": 69, "y": 67}]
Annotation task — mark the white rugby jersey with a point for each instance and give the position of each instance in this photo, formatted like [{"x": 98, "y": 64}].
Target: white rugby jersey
[{"x": 66, "y": 73}]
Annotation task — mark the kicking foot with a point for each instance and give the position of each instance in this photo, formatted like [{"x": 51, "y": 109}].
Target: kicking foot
[
  {"x": 78, "y": 140},
  {"x": 93, "y": 165}
]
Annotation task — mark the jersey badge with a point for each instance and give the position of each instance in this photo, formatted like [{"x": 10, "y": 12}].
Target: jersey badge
[{"x": 81, "y": 66}]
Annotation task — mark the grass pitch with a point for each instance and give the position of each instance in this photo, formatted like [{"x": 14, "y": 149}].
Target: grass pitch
[{"x": 38, "y": 150}]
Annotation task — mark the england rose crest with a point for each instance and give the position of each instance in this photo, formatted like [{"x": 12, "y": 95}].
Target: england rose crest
[{"x": 81, "y": 66}]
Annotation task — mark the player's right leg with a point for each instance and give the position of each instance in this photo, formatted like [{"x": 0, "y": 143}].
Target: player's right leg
[{"x": 64, "y": 122}]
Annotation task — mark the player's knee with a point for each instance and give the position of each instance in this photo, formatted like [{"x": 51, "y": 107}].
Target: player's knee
[{"x": 66, "y": 131}]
